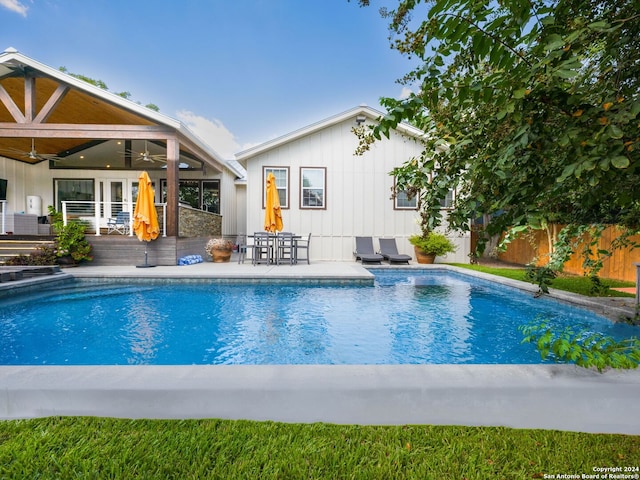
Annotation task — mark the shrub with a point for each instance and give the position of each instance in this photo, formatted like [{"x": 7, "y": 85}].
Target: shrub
[
  {"x": 433, "y": 243},
  {"x": 44, "y": 255}
]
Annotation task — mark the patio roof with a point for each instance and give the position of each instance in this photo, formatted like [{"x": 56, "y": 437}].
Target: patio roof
[{"x": 59, "y": 114}]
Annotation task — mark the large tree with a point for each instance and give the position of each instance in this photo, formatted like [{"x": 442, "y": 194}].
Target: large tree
[{"x": 530, "y": 108}]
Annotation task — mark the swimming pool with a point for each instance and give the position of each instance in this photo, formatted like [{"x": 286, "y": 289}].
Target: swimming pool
[{"x": 407, "y": 317}]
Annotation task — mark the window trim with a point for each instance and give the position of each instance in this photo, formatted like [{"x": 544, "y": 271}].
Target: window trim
[
  {"x": 324, "y": 189},
  {"x": 395, "y": 200},
  {"x": 443, "y": 201},
  {"x": 201, "y": 182},
  {"x": 58, "y": 202},
  {"x": 264, "y": 185}
]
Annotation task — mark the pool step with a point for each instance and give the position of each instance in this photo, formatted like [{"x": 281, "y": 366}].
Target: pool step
[{"x": 11, "y": 274}]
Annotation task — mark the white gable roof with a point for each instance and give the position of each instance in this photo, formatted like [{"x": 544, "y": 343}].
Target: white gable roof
[{"x": 370, "y": 113}]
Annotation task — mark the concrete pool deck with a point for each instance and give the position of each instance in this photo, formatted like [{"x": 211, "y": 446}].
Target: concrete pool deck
[{"x": 562, "y": 397}]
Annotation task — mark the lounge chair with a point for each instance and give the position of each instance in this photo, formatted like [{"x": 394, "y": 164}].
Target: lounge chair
[
  {"x": 365, "y": 252},
  {"x": 119, "y": 224},
  {"x": 389, "y": 250}
]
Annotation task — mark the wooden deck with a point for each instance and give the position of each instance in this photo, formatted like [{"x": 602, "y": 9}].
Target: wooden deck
[{"x": 114, "y": 249}]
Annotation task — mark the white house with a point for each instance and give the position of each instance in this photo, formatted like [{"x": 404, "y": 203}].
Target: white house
[
  {"x": 329, "y": 191},
  {"x": 67, "y": 143}
]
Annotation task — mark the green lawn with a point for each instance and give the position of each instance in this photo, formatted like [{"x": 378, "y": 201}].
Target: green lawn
[
  {"x": 96, "y": 448},
  {"x": 569, "y": 283}
]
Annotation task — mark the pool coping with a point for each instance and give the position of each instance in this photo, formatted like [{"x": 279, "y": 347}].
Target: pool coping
[
  {"x": 555, "y": 397},
  {"x": 559, "y": 397}
]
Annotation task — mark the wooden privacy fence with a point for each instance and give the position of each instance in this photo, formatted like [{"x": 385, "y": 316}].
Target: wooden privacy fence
[{"x": 535, "y": 244}]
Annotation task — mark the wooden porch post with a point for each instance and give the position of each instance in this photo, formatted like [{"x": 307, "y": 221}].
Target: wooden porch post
[{"x": 173, "y": 162}]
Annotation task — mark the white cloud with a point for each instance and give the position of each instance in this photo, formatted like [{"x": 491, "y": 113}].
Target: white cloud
[
  {"x": 406, "y": 91},
  {"x": 15, "y": 6},
  {"x": 213, "y": 132}
]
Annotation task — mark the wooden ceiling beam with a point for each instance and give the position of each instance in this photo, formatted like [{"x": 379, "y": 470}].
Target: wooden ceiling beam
[
  {"x": 55, "y": 98},
  {"x": 29, "y": 98},
  {"x": 14, "y": 110},
  {"x": 40, "y": 130}
]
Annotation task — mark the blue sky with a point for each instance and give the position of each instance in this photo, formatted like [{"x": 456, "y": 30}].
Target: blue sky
[{"x": 237, "y": 72}]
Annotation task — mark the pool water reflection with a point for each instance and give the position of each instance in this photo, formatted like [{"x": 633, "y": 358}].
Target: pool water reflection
[{"x": 407, "y": 317}]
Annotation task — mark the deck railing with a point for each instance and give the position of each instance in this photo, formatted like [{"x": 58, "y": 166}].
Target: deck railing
[
  {"x": 3, "y": 206},
  {"x": 94, "y": 215}
]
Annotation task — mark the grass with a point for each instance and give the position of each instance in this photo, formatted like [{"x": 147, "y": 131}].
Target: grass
[
  {"x": 100, "y": 448},
  {"x": 566, "y": 282}
]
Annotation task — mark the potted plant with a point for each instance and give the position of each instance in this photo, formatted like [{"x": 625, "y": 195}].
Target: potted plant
[
  {"x": 219, "y": 249},
  {"x": 71, "y": 245},
  {"x": 429, "y": 245}
]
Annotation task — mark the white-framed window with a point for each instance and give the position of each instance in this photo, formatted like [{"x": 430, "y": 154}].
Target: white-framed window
[
  {"x": 282, "y": 184},
  {"x": 313, "y": 183},
  {"x": 404, "y": 202},
  {"x": 447, "y": 201}
]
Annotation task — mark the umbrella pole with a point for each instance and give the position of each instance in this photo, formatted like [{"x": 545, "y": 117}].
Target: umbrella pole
[{"x": 146, "y": 265}]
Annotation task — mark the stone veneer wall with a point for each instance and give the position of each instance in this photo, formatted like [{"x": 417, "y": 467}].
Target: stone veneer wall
[{"x": 198, "y": 223}]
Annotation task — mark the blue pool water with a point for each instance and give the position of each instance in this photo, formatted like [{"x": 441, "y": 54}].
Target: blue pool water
[{"x": 407, "y": 317}]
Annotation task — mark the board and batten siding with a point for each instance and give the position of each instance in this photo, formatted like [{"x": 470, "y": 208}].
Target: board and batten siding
[
  {"x": 25, "y": 179},
  {"x": 358, "y": 191},
  {"x": 232, "y": 205}
]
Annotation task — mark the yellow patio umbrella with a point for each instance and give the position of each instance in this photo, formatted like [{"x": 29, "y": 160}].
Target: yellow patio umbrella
[
  {"x": 272, "y": 212},
  {"x": 145, "y": 217}
]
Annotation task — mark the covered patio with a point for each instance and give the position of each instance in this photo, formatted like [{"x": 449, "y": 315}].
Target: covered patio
[{"x": 60, "y": 135}]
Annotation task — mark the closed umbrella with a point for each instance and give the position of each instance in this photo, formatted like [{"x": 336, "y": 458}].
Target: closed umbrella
[
  {"x": 272, "y": 212},
  {"x": 145, "y": 217}
]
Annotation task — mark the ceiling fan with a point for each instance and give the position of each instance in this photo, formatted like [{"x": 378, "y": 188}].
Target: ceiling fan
[
  {"x": 145, "y": 156},
  {"x": 33, "y": 154}
]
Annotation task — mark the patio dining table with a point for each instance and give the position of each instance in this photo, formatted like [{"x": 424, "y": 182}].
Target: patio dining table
[{"x": 272, "y": 246}]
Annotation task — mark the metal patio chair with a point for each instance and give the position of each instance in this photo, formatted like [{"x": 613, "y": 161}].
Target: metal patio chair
[
  {"x": 301, "y": 245},
  {"x": 121, "y": 223}
]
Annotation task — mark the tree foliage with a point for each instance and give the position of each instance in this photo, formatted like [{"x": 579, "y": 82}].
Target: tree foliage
[
  {"x": 101, "y": 84},
  {"x": 585, "y": 349},
  {"x": 530, "y": 108}
]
